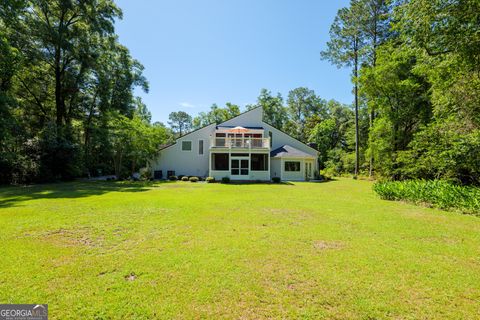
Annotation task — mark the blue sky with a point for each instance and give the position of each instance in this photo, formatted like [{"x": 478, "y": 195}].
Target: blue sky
[{"x": 197, "y": 53}]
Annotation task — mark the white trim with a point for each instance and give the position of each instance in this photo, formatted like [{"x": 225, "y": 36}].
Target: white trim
[{"x": 239, "y": 176}]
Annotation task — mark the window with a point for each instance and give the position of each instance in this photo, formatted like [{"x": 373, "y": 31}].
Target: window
[
  {"x": 270, "y": 135},
  {"x": 292, "y": 166},
  {"x": 259, "y": 162},
  {"x": 186, "y": 145},
  {"x": 157, "y": 174},
  {"x": 220, "y": 140},
  {"x": 220, "y": 161},
  {"x": 200, "y": 146}
]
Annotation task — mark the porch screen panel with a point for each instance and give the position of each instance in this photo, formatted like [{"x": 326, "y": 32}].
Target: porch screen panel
[
  {"x": 259, "y": 162},
  {"x": 220, "y": 161}
]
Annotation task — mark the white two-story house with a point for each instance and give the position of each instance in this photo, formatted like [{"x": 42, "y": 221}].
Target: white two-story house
[{"x": 242, "y": 148}]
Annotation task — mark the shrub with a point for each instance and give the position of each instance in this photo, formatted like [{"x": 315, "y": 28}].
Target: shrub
[
  {"x": 438, "y": 193},
  {"x": 172, "y": 178},
  {"x": 225, "y": 180},
  {"x": 210, "y": 179},
  {"x": 184, "y": 178},
  {"x": 324, "y": 175},
  {"x": 146, "y": 174},
  {"x": 276, "y": 179},
  {"x": 193, "y": 179}
]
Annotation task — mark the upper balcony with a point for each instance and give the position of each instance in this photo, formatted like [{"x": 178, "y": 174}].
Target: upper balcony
[
  {"x": 240, "y": 142},
  {"x": 239, "y": 138}
]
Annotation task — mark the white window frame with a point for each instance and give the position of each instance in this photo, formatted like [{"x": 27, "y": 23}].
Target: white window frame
[{"x": 191, "y": 146}]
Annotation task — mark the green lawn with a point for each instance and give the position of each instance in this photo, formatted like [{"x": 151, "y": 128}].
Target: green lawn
[{"x": 194, "y": 250}]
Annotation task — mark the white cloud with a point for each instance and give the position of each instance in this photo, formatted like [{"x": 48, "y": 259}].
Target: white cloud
[{"x": 186, "y": 105}]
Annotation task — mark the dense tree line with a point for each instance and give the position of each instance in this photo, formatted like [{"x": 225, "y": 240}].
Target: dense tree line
[
  {"x": 416, "y": 73},
  {"x": 67, "y": 107}
]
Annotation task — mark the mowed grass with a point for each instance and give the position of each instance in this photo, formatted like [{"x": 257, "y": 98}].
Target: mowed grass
[{"x": 195, "y": 250}]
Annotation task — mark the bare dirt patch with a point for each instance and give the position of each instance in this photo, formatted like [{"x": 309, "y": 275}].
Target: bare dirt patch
[
  {"x": 328, "y": 245},
  {"x": 71, "y": 238},
  {"x": 131, "y": 277}
]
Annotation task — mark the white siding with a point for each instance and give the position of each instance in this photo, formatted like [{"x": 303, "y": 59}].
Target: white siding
[
  {"x": 275, "y": 167},
  {"x": 293, "y": 175},
  {"x": 252, "y": 118},
  {"x": 188, "y": 163}
]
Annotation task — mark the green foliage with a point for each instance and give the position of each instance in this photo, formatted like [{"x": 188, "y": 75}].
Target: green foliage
[
  {"x": 180, "y": 122},
  {"x": 276, "y": 179},
  {"x": 442, "y": 150},
  {"x": 274, "y": 112},
  {"x": 67, "y": 107},
  {"x": 184, "y": 178},
  {"x": 173, "y": 178},
  {"x": 302, "y": 104},
  {"x": 225, "y": 180},
  {"x": 324, "y": 175},
  {"x": 216, "y": 115},
  {"x": 210, "y": 179},
  {"x": 193, "y": 179},
  {"x": 442, "y": 194}
]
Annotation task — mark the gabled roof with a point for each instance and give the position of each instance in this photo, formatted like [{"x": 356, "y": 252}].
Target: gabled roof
[
  {"x": 289, "y": 135},
  {"x": 287, "y": 151}
]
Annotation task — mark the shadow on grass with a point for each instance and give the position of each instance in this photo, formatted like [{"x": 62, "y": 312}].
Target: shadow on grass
[
  {"x": 246, "y": 183},
  {"x": 285, "y": 183},
  {"x": 12, "y": 196}
]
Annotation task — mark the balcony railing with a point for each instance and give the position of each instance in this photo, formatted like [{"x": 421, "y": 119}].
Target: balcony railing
[{"x": 248, "y": 143}]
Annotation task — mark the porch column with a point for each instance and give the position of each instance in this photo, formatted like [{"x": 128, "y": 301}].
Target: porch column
[
  {"x": 281, "y": 169},
  {"x": 209, "y": 162}
]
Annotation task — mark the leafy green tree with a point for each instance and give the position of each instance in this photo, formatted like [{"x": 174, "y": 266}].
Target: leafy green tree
[
  {"x": 180, "y": 122},
  {"x": 442, "y": 151},
  {"x": 375, "y": 27},
  {"x": 331, "y": 136},
  {"x": 66, "y": 74},
  {"x": 346, "y": 49},
  {"x": 216, "y": 115},
  {"x": 302, "y": 103},
  {"x": 274, "y": 112},
  {"x": 401, "y": 94}
]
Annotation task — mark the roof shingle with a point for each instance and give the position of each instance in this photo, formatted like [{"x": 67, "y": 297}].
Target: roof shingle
[{"x": 287, "y": 151}]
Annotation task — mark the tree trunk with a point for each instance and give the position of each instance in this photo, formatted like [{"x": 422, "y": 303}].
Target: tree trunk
[
  {"x": 372, "y": 111},
  {"x": 355, "y": 72},
  {"x": 117, "y": 163},
  {"x": 59, "y": 100}
]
